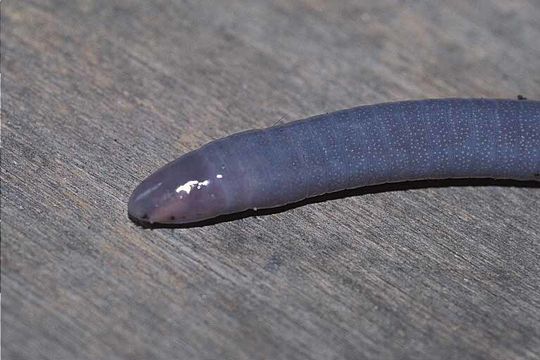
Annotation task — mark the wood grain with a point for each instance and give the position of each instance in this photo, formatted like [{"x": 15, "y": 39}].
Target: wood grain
[{"x": 97, "y": 94}]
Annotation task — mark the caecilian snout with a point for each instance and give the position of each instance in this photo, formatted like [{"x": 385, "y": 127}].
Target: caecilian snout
[{"x": 142, "y": 202}]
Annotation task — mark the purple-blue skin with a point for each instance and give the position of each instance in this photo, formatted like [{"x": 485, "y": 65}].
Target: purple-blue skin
[{"x": 366, "y": 145}]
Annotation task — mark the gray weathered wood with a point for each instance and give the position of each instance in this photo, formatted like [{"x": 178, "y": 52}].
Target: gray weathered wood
[{"x": 97, "y": 94}]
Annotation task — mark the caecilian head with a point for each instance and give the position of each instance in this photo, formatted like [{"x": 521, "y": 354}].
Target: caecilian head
[{"x": 183, "y": 191}]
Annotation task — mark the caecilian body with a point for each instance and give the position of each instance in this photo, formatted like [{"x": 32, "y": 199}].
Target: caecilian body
[{"x": 366, "y": 145}]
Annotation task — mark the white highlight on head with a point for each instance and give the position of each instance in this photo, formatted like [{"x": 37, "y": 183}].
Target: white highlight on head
[
  {"x": 219, "y": 176},
  {"x": 188, "y": 186}
]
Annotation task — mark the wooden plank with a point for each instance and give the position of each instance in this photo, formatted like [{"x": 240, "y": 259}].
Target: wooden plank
[{"x": 97, "y": 94}]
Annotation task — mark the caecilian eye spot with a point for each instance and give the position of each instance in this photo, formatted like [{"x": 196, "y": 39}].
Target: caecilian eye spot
[
  {"x": 145, "y": 216},
  {"x": 536, "y": 175},
  {"x": 171, "y": 218}
]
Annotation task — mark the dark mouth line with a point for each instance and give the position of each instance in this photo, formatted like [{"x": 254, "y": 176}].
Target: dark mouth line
[{"x": 374, "y": 189}]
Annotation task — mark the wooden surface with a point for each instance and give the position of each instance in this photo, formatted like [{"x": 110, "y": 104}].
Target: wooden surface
[{"x": 97, "y": 94}]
